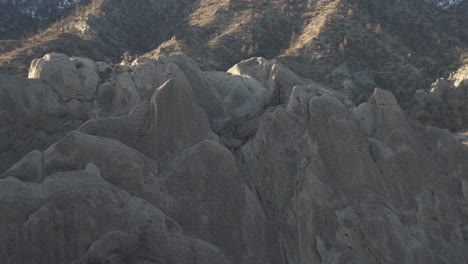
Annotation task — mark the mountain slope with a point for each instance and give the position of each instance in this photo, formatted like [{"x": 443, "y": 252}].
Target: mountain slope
[
  {"x": 445, "y": 3},
  {"x": 353, "y": 46},
  {"x": 21, "y": 18}
]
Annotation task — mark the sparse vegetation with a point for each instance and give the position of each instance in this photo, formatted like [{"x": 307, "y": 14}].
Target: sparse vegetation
[{"x": 313, "y": 38}]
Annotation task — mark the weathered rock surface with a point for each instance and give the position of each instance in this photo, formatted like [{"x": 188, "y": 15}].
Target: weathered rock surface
[
  {"x": 277, "y": 78},
  {"x": 32, "y": 117},
  {"x": 178, "y": 165},
  {"x": 359, "y": 184},
  {"x": 74, "y": 89},
  {"x": 78, "y": 217},
  {"x": 74, "y": 78}
]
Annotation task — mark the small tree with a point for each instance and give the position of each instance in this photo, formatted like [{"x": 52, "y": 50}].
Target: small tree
[
  {"x": 378, "y": 29},
  {"x": 126, "y": 58},
  {"x": 244, "y": 48},
  {"x": 293, "y": 39},
  {"x": 341, "y": 48},
  {"x": 251, "y": 50}
]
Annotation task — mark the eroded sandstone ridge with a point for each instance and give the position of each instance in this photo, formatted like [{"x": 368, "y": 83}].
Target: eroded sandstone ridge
[{"x": 161, "y": 162}]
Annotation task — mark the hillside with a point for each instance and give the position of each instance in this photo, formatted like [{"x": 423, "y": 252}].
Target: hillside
[
  {"x": 353, "y": 46},
  {"x": 19, "y": 18},
  {"x": 445, "y": 3}
]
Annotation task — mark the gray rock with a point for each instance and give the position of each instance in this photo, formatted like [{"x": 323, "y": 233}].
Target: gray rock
[
  {"x": 318, "y": 180},
  {"x": 205, "y": 94},
  {"x": 231, "y": 143},
  {"x": 103, "y": 68},
  {"x": 272, "y": 75},
  {"x": 382, "y": 97},
  {"x": 239, "y": 95},
  {"x": 206, "y": 168},
  {"x": 118, "y": 96},
  {"x": 88, "y": 75},
  {"x": 61, "y": 74},
  {"x": 215, "y": 205},
  {"x": 179, "y": 121},
  {"x": 98, "y": 223},
  {"x": 32, "y": 117},
  {"x": 359, "y": 183}
]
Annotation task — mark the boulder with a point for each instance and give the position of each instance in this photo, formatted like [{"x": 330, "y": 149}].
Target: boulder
[
  {"x": 274, "y": 76},
  {"x": 88, "y": 75},
  {"x": 179, "y": 121},
  {"x": 117, "y": 96},
  {"x": 239, "y": 95},
  {"x": 32, "y": 116},
  {"x": 61, "y": 74}
]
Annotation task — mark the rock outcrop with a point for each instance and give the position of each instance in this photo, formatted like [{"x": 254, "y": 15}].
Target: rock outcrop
[
  {"x": 352, "y": 46},
  {"x": 64, "y": 76},
  {"x": 359, "y": 184},
  {"x": 446, "y": 104},
  {"x": 32, "y": 116},
  {"x": 278, "y": 169},
  {"x": 78, "y": 217}
]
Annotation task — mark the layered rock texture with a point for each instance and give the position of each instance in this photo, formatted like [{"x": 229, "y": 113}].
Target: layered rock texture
[{"x": 161, "y": 162}]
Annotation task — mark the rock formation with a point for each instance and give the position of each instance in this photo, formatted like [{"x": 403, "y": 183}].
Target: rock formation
[
  {"x": 359, "y": 184},
  {"x": 161, "y": 162},
  {"x": 351, "y": 46},
  {"x": 445, "y": 105}
]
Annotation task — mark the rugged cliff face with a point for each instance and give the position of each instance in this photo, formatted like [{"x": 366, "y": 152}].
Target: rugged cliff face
[
  {"x": 148, "y": 146},
  {"x": 166, "y": 163}
]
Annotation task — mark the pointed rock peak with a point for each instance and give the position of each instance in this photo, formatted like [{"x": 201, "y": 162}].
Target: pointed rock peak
[
  {"x": 179, "y": 121},
  {"x": 383, "y": 97},
  {"x": 174, "y": 72},
  {"x": 174, "y": 87}
]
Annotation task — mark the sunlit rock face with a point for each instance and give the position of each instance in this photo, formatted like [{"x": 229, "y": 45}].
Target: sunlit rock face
[{"x": 161, "y": 162}]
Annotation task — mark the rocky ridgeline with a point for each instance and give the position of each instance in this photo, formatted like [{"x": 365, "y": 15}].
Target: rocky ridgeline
[{"x": 160, "y": 162}]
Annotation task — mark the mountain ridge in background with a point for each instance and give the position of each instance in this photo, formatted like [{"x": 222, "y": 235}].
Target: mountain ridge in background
[{"x": 354, "y": 46}]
